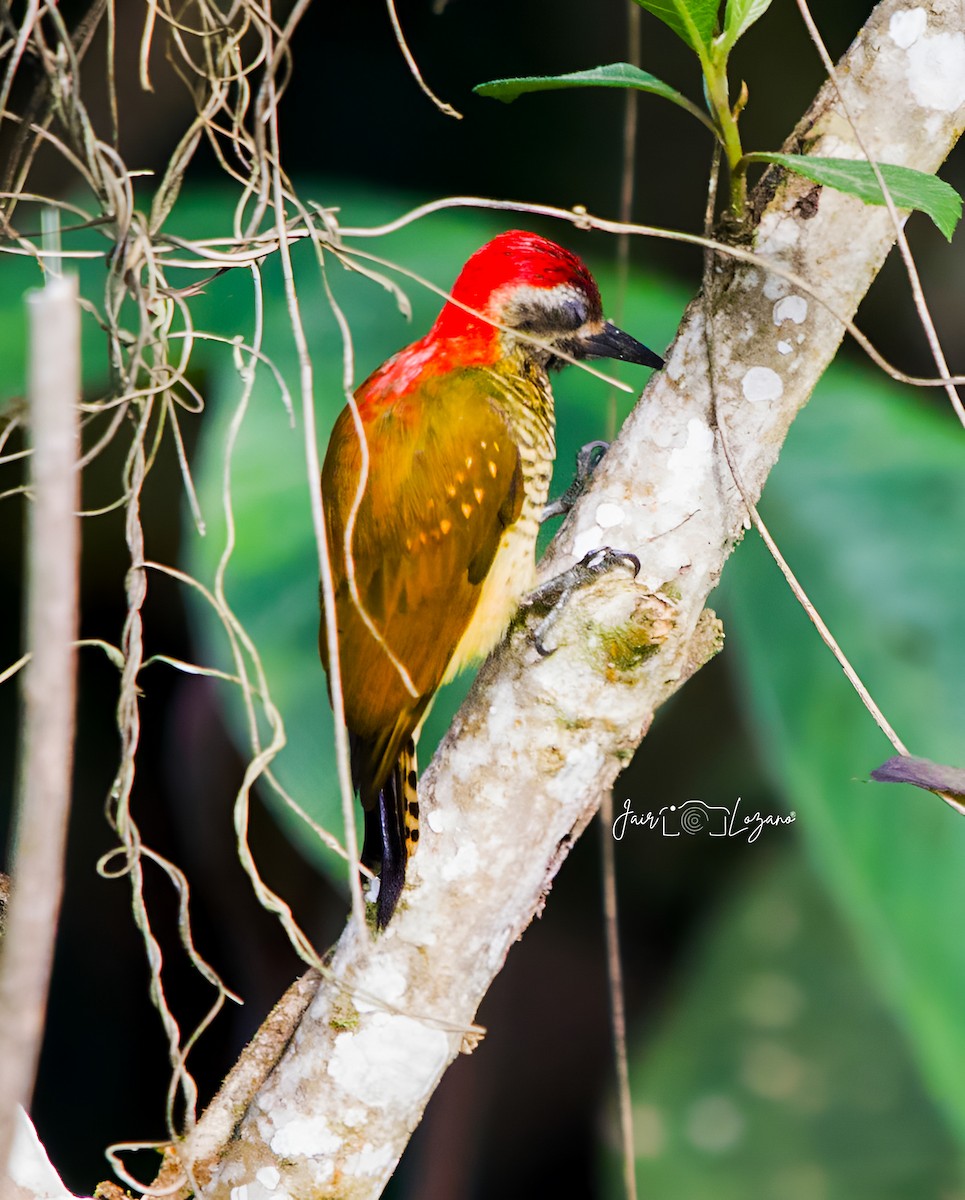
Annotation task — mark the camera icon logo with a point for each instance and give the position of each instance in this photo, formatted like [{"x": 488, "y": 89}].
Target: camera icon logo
[{"x": 695, "y": 817}]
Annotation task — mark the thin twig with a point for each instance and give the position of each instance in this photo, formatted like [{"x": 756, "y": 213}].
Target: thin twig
[
  {"x": 584, "y": 220},
  {"x": 618, "y": 1006},
  {"x": 921, "y": 305},
  {"x": 318, "y": 521},
  {"x": 446, "y": 109},
  {"x": 628, "y": 172},
  {"x": 611, "y": 920}
]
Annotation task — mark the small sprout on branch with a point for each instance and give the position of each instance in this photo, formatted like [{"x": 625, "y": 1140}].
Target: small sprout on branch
[{"x": 695, "y": 22}]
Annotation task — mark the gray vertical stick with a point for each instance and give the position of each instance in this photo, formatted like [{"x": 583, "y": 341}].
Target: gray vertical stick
[{"x": 48, "y": 695}]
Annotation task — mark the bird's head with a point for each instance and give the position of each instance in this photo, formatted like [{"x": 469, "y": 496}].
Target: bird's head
[{"x": 543, "y": 298}]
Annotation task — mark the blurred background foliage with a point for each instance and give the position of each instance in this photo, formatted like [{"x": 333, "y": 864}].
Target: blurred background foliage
[{"x": 794, "y": 1002}]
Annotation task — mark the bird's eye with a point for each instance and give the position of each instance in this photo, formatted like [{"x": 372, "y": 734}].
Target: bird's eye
[{"x": 571, "y": 314}]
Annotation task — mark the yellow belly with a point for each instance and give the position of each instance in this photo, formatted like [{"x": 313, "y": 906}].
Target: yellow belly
[{"x": 511, "y": 576}]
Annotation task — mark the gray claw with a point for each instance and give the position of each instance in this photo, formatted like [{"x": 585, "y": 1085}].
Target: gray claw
[
  {"x": 587, "y": 460},
  {"x": 555, "y": 592}
]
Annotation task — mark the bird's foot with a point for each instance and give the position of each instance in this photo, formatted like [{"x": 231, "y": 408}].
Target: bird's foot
[
  {"x": 587, "y": 460},
  {"x": 554, "y": 594}
]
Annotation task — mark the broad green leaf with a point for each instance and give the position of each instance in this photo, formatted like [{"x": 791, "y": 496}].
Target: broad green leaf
[
  {"x": 868, "y": 504},
  {"x": 694, "y": 21},
  {"x": 908, "y": 188},
  {"x": 271, "y": 580},
  {"x": 613, "y": 75},
  {"x": 739, "y": 16},
  {"x": 778, "y": 1071}
]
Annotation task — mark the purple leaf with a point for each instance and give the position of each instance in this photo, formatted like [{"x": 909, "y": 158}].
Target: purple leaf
[{"x": 923, "y": 773}]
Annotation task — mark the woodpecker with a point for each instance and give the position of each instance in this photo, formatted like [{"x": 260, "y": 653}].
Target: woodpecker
[{"x": 432, "y": 555}]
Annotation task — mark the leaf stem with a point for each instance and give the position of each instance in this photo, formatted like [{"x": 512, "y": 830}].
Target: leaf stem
[
  {"x": 713, "y": 62},
  {"x": 715, "y": 73}
]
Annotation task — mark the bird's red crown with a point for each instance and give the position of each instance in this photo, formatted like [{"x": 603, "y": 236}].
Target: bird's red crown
[
  {"x": 515, "y": 258},
  {"x": 512, "y": 260}
]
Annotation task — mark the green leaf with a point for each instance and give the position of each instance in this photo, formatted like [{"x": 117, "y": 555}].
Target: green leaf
[
  {"x": 739, "y": 16},
  {"x": 693, "y": 21},
  {"x": 908, "y": 188},
  {"x": 868, "y": 504},
  {"x": 613, "y": 75}
]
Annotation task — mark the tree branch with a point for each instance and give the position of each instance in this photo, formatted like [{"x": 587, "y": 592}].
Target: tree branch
[{"x": 522, "y": 769}]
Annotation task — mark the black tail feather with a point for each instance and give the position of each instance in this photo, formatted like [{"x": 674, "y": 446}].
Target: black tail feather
[
  {"x": 372, "y": 840},
  {"x": 392, "y": 875},
  {"x": 388, "y": 823}
]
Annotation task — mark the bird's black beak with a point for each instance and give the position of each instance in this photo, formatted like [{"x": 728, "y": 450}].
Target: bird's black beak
[{"x": 611, "y": 342}]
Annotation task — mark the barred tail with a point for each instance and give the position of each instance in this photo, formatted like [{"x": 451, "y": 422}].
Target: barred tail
[{"x": 408, "y": 769}]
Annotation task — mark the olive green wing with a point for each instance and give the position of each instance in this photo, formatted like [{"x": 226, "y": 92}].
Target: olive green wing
[{"x": 443, "y": 485}]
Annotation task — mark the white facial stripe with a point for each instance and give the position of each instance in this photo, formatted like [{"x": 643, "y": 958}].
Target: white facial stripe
[{"x": 516, "y": 296}]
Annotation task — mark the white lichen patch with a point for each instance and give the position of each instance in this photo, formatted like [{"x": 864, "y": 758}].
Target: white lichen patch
[
  {"x": 586, "y": 541},
  {"x": 784, "y": 347},
  {"x": 777, "y": 233},
  {"x": 463, "y": 863},
  {"x": 391, "y": 1062},
  {"x": 906, "y": 26},
  {"x": 761, "y": 385},
  {"x": 661, "y": 428},
  {"x": 374, "y": 1160},
  {"x": 936, "y": 71},
  {"x": 501, "y": 721},
  {"x": 583, "y": 763},
  {"x": 322, "y": 1172},
  {"x": 790, "y": 308},
  {"x": 775, "y": 287},
  {"x": 380, "y": 981},
  {"x": 837, "y": 140},
  {"x": 421, "y": 926},
  {"x": 269, "y": 1177},
  {"x": 608, "y": 514},
  {"x": 933, "y": 125},
  {"x": 687, "y": 465},
  {"x": 674, "y": 367},
  {"x": 297, "y": 1136},
  {"x": 690, "y": 340}
]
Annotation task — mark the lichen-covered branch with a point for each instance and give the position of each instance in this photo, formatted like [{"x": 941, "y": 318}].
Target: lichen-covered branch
[{"x": 522, "y": 770}]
